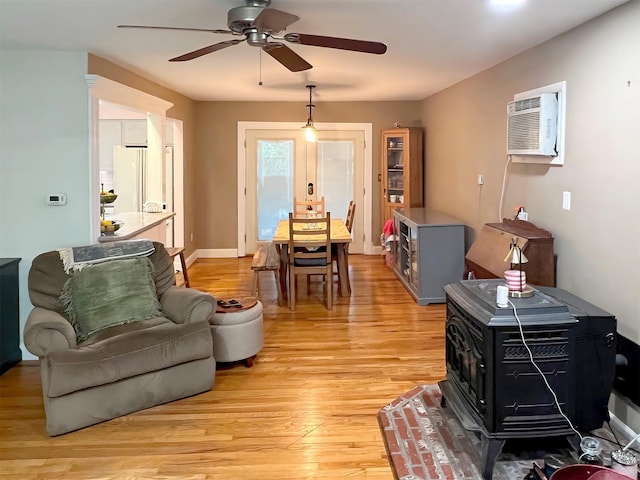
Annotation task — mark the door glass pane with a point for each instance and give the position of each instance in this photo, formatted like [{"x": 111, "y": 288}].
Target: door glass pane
[
  {"x": 335, "y": 175},
  {"x": 275, "y": 185}
]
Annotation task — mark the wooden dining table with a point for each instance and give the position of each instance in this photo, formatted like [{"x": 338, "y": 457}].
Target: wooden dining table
[{"x": 340, "y": 237}]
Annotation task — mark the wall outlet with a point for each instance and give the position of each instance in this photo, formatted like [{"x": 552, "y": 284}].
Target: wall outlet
[
  {"x": 192, "y": 236},
  {"x": 480, "y": 179},
  {"x": 566, "y": 200}
]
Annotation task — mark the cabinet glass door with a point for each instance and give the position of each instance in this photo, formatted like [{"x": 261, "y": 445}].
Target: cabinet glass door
[
  {"x": 397, "y": 248},
  {"x": 414, "y": 260},
  {"x": 404, "y": 252},
  {"x": 395, "y": 168}
]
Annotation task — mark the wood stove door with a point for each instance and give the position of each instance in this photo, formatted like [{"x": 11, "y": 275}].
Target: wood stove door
[
  {"x": 466, "y": 367},
  {"x": 523, "y": 401}
]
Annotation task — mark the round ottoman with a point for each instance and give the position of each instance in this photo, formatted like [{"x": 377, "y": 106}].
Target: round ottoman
[{"x": 237, "y": 334}]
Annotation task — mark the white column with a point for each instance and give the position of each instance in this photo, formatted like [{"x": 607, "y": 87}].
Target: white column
[{"x": 155, "y": 157}]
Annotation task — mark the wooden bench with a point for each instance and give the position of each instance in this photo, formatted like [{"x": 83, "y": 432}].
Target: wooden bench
[
  {"x": 179, "y": 251},
  {"x": 265, "y": 259}
]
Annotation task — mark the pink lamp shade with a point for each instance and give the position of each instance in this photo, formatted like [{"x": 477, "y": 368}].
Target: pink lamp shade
[{"x": 516, "y": 280}]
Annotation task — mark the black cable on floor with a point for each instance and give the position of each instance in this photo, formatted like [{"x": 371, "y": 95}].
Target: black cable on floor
[
  {"x": 609, "y": 440},
  {"x": 614, "y": 434}
]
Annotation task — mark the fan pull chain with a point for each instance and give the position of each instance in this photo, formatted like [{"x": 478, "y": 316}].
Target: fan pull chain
[{"x": 260, "y": 63}]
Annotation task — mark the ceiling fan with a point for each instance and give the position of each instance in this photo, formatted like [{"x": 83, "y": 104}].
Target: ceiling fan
[{"x": 260, "y": 26}]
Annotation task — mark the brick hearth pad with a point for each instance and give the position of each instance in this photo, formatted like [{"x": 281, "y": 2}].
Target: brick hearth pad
[{"x": 426, "y": 442}]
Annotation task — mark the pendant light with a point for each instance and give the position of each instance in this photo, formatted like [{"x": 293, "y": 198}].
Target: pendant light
[{"x": 310, "y": 132}]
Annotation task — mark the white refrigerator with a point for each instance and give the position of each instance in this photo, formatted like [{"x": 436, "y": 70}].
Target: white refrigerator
[{"x": 129, "y": 178}]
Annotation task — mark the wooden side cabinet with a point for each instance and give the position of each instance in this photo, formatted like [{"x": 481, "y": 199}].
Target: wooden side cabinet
[
  {"x": 429, "y": 252},
  {"x": 486, "y": 257},
  {"x": 10, "y": 352},
  {"x": 402, "y": 167}
]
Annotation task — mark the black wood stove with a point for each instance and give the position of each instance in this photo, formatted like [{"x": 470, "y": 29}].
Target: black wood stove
[{"x": 493, "y": 387}]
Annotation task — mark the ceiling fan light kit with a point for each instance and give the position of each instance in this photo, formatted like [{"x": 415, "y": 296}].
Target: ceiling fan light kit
[{"x": 264, "y": 27}]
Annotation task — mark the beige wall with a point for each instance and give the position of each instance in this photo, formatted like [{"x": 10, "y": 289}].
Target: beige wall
[
  {"x": 215, "y": 225},
  {"x": 183, "y": 109},
  {"x": 597, "y": 240}
]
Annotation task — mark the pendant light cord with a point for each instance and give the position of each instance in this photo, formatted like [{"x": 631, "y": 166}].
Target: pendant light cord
[
  {"x": 310, "y": 105},
  {"x": 306, "y": 143}
]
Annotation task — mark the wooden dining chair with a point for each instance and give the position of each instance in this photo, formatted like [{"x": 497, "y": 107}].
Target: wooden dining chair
[
  {"x": 351, "y": 211},
  {"x": 310, "y": 253},
  {"x": 348, "y": 222},
  {"x": 303, "y": 207}
]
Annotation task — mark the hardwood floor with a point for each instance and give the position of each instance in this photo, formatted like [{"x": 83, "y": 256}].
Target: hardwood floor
[{"x": 306, "y": 409}]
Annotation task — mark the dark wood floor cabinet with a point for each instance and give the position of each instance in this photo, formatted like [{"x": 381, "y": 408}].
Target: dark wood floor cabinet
[
  {"x": 486, "y": 257},
  {"x": 10, "y": 352}
]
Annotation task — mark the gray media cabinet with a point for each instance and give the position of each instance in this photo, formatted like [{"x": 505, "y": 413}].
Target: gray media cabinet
[{"x": 429, "y": 252}]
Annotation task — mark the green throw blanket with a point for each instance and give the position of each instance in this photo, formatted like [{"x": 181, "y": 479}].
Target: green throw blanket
[{"x": 110, "y": 293}]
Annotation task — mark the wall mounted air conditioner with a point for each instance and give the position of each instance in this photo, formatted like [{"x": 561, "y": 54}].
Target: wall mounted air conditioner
[{"x": 532, "y": 125}]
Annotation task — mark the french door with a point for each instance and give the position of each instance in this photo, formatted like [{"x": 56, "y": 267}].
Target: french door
[{"x": 281, "y": 165}]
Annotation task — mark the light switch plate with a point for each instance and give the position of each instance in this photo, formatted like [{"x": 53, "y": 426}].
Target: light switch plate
[{"x": 566, "y": 200}]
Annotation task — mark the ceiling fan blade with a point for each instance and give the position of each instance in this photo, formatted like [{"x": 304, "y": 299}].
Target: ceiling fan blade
[
  {"x": 226, "y": 32},
  {"x": 335, "y": 42},
  {"x": 287, "y": 57},
  {"x": 273, "y": 20},
  {"x": 203, "y": 51}
]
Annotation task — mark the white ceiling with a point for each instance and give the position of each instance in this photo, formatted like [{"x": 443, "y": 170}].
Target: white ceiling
[{"x": 432, "y": 44}]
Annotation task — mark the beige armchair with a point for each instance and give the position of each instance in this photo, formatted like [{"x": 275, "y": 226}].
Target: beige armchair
[{"x": 122, "y": 368}]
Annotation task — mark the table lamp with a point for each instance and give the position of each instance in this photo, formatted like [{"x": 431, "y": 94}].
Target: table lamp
[{"x": 516, "y": 279}]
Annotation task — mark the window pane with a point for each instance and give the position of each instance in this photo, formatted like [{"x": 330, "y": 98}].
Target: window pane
[
  {"x": 275, "y": 185},
  {"x": 335, "y": 175}
]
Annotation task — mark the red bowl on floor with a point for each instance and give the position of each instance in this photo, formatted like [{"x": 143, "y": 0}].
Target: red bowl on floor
[{"x": 586, "y": 472}]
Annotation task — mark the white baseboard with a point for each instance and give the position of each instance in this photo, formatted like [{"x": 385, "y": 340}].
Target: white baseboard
[
  {"x": 217, "y": 253},
  {"x": 191, "y": 258}
]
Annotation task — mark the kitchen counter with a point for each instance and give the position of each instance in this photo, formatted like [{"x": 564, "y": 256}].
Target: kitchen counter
[{"x": 139, "y": 225}]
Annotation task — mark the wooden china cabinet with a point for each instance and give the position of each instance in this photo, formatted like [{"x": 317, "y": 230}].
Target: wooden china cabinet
[{"x": 401, "y": 171}]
